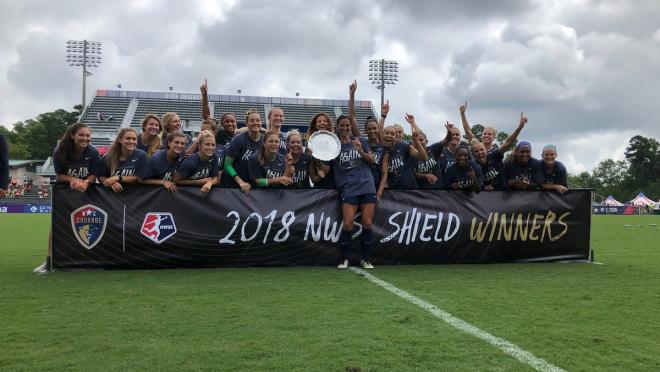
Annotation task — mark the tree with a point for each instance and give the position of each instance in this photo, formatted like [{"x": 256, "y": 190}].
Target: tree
[
  {"x": 36, "y": 138},
  {"x": 583, "y": 180},
  {"x": 502, "y": 136},
  {"x": 643, "y": 155},
  {"x": 477, "y": 130},
  {"x": 610, "y": 176}
]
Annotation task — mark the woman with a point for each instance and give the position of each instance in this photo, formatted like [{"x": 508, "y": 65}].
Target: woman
[
  {"x": 301, "y": 162},
  {"x": 520, "y": 172},
  {"x": 378, "y": 150},
  {"x": 275, "y": 121},
  {"x": 171, "y": 124},
  {"x": 227, "y": 130},
  {"x": 551, "y": 174},
  {"x": 488, "y": 135},
  {"x": 355, "y": 184},
  {"x": 399, "y": 170},
  {"x": 320, "y": 172},
  {"x": 492, "y": 166},
  {"x": 207, "y": 125},
  {"x": 429, "y": 173},
  {"x": 163, "y": 164},
  {"x": 464, "y": 174},
  {"x": 149, "y": 140},
  {"x": 448, "y": 156},
  {"x": 270, "y": 168},
  {"x": 200, "y": 168},
  {"x": 242, "y": 147},
  {"x": 75, "y": 159},
  {"x": 123, "y": 162}
]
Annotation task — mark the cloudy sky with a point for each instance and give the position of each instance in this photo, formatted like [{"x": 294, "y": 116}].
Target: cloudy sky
[{"x": 586, "y": 73}]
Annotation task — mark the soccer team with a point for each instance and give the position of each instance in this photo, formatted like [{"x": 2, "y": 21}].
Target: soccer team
[{"x": 253, "y": 157}]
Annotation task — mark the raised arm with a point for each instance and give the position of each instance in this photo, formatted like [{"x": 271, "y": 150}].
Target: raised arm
[
  {"x": 417, "y": 151},
  {"x": 512, "y": 138},
  {"x": 351, "y": 109},
  {"x": 466, "y": 125},
  {"x": 204, "y": 89},
  {"x": 384, "y": 110}
]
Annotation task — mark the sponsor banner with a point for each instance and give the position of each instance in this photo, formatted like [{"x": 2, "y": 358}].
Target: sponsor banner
[
  {"x": 25, "y": 208},
  {"x": 148, "y": 227},
  {"x": 604, "y": 209}
]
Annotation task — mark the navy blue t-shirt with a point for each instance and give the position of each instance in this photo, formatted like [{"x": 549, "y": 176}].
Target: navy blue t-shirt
[
  {"x": 270, "y": 169},
  {"x": 456, "y": 174},
  {"x": 493, "y": 170},
  {"x": 222, "y": 138},
  {"x": 378, "y": 151},
  {"x": 526, "y": 173},
  {"x": 555, "y": 177},
  {"x": 282, "y": 147},
  {"x": 81, "y": 167},
  {"x": 301, "y": 171},
  {"x": 399, "y": 173},
  {"x": 193, "y": 168},
  {"x": 132, "y": 166},
  {"x": 431, "y": 166},
  {"x": 351, "y": 172},
  {"x": 448, "y": 158},
  {"x": 242, "y": 148},
  {"x": 160, "y": 168}
]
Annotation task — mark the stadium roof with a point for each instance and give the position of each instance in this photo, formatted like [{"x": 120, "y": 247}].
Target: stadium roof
[
  {"x": 22, "y": 163},
  {"x": 229, "y": 98}
]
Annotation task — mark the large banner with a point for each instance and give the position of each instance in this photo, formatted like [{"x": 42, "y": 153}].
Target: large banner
[{"x": 148, "y": 227}]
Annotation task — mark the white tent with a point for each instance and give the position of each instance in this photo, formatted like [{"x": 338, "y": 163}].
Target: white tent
[
  {"x": 611, "y": 202},
  {"x": 641, "y": 201}
]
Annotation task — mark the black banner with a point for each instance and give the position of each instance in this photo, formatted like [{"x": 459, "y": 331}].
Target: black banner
[{"x": 148, "y": 227}]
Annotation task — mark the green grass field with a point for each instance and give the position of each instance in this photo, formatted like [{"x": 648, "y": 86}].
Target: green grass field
[{"x": 576, "y": 316}]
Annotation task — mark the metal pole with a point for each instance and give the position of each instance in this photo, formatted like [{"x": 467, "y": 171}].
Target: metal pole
[
  {"x": 382, "y": 84},
  {"x": 84, "y": 74}
]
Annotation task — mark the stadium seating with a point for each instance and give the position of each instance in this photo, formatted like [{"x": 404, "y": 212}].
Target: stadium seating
[{"x": 132, "y": 107}]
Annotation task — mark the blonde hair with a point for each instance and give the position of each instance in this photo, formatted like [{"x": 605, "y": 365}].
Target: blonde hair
[
  {"x": 205, "y": 135},
  {"x": 250, "y": 112},
  {"x": 167, "y": 119},
  {"x": 292, "y": 132},
  {"x": 115, "y": 150},
  {"x": 493, "y": 129}
]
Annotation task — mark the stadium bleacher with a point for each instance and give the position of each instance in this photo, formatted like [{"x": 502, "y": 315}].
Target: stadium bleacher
[{"x": 128, "y": 108}]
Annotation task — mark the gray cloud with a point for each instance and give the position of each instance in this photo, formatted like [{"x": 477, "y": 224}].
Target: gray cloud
[{"x": 584, "y": 73}]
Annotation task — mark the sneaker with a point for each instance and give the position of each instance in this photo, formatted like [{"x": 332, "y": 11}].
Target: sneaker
[
  {"x": 42, "y": 269},
  {"x": 343, "y": 265},
  {"x": 366, "y": 264}
]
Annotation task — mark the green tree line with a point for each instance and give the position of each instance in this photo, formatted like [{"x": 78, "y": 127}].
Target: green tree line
[{"x": 35, "y": 139}]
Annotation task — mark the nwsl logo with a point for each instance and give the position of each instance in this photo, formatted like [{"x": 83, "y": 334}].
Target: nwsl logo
[
  {"x": 158, "y": 226},
  {"x": 88, "y": 223}
]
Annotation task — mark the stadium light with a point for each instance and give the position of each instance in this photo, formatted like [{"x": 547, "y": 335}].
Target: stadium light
[
  {"x": 381, "y": 73},
  {"x": 86, "y": 54}
]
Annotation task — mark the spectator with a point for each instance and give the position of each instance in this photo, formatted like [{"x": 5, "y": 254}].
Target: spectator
[{"x": 4, "y": 166}]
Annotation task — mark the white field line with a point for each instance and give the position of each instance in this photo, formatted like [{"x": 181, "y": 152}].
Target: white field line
[{"x": 507, "y": 347}]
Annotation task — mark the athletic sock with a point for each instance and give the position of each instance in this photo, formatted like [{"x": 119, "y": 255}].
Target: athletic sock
[
  {"x": 345, "y": 243},
  {"x": 367, "y": 240}
]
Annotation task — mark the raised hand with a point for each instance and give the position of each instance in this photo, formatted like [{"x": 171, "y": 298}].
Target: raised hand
[
  {"x": 204, "y": 88},
  {"x": 410, "y": 118},
  {"x": 357, "y": 144},
  {"x": 385, "y": 109},
  {"x": 523, "y": 120},
  {"x": 353, "y": 87},
  {"x": 462, "y": 108},
  {"x": 289, "y": 158}
]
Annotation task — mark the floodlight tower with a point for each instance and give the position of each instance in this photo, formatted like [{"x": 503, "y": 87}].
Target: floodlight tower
[
  {"x": 86, "y": 54},
  {"x": 381, "y": 73}
]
